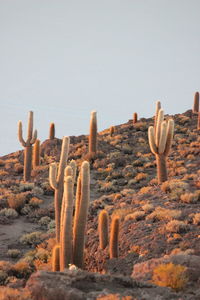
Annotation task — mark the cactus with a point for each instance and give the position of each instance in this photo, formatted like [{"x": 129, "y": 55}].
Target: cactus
[
  {"x": 103, "y": 229},
  {"x": 93, "y": 133},
  {"x": 74, "y": 169},
  {"x": 112, "y": 130},
  {"x": 77, "y": 203},
  {"x": 114, "y": 238},
  {"x": 160, "y": 140},
  {"x": 66, "y": 229},
  {"x": 36, "y": 153},
  {"x": 80, "y": 221},
  {"x": 56, "y": 258},
  {"x": 135, "y": 118},
  {"x": 198, "y": 121},
  {"x": 31, "y": 138},
  {"x": 158, "y": 107},
  {"x": 52, "y": 131},
  {"x": 196, "y": 103},
  {"x": 56, "y": 181}
]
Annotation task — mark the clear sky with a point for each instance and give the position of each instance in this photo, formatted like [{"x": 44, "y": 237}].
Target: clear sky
[{"x": 63, "y": 59}]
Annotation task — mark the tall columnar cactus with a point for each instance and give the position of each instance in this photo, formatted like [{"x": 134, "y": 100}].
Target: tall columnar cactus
[
  {"x": 80, "y": 221},
  {"x": 114, "y": 238},
  {"x": 31, "y": 138},
  {"x": 56, "y": 258},
  {"x": 93, "y": 133},
  {"x": 77, "y": 202},
  {"x": 160, "y": 141},
  {"x": 103, "y": 229},
  {"x": 135, "y": 118},
  {"x": 158, "y": 107},
  {"x": 36, "y": 153},
  {"x": 112, "y": 130},
  {"x": 74, "y": 169},
  {"x": 66, "y": 240},
  {"x": 52, "y": 131},
  {"x": 196, "y": 103},
  {"x": 56, "y": 181}
]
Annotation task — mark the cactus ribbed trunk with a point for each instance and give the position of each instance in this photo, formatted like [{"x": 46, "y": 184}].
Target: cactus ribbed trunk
[
  {"x": 27, "y": 162},
  {"x": 114, "y": 238},
  {"x": 103, "y": 229},
  {"x": 36, "y": 154},
  {"x": 93, "y": 134},
  {"x": 80, "y": 222},
  {"x": 52, "y": 131},
  {"x": 135, "y": 118},
  {"x": 56, "y": 258},
  {"x": 58, "y": 204},
  {"x": 161, "y": 167},
  {"x": 66, "y": 234}
]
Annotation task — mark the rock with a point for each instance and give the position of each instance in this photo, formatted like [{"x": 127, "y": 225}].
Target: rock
[{"x": 81, "y": 285}]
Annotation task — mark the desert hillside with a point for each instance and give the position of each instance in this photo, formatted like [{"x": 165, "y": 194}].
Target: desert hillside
[{"x": 152, "y": 228}]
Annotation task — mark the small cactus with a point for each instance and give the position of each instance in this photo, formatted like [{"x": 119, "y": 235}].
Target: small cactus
[
  {"x": 196, "y": 103},
  {"x": 93, "y": 133},
  {"x": 36, "y": 153},
  {"x": 52, "y": 131},
  {"x": 160, "y": 140},
  {"x": 56, "y": 181},
  {"x": 56, "y": 258},
  {"x": 80, "y": 222},
  {"x": 112, "y": 130},
  {"x": 135, "y": 118},
  {"x": 103, "y": 229},
  {"x": 114, "y": 238},
  {"x": 66, "y": 240},
  {"x": 31, "y": 138}
]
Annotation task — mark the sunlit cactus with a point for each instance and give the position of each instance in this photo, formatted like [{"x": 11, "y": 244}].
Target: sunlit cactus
[
  {"x": 80, "y": 221},
  {"x": 103, "y": 229},
  {"x": 196, "y": 103},
  {"x": 135, "y": 118},
  {"x": 31, "y": 138},
  {"x": 114, "y": 238},
  {"x": 36, "y": 153},
  {"x": 56, "y": 178},
  {"x": 56, "y": 258},
  {"x": 160, "y": 140},
  {"x": 52, "y": 131},
  {"x": 112, "y": 130},
  {"x": 93, "y": 133}
]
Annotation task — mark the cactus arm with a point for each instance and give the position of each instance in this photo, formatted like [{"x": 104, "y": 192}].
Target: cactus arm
[
  {"x": 163, "y": 138},
  {"x": 170, "y": 133},
  {"x": 74, "y": 168},
  {"x": 158, "y": 126},
  {"x": 20, "y": 136},
  {"x": 34, "y": 138},
  {"x": 68, "y": 171},
  {"x": 30, "y": 126},
  {"x": 63, "y": 158},
  {"x": 152, "y": 143},
  {"x": 158, "y": 107},
  {"x": 52, "y": 176}
]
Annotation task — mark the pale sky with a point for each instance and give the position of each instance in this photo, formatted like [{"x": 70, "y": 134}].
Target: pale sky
[{"x": 63, "y": 59}]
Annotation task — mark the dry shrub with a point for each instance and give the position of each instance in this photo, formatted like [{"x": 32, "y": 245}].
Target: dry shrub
[
  {"x": 2, "y": 162},
  {"x": 3, "y": 173},
  {"x": 148, "y": 208},
  {"x": 17, "y": 201},
  {"x": 14, "y": 294},
  {"x": 137, "y": 216},
  {"x": 35, "y": 202},
  {"x": 145, "y": 190},
  {"x": 170, "y": 275},
  {"x": 18, "y": 168},
  {"x": 161, "y": 213},
  {"x": 114, "y": 297},
  {"x": 196, "y": 219},
  {"x": 173, "y": 185},
  {"x": 177, "y": 226},
  {"x": 21, "y": 269},
  {"x": 122, "y": 212},
  {"x": 190, "y": 197}
]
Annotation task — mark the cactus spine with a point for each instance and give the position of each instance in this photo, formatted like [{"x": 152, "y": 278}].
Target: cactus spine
[
  {"x": 56, "y": 258},
  {"x": 160, "y": 140},
  {"x": 56, "y": 181},
  {"x": 196, "y": 103},
  {"x": 80, "y": 221},
  {"x": 66, "y": 229},
  {"x": 135, "y": 118},
  {"x": 93, "y": 133},
  {"x": 114, "y": 238},
  {"x": 52, "y": 131},
  {"x": 103, "y": 229},
  {"x": 36, "y": 153},
  {"x": 31, "y": 138}
]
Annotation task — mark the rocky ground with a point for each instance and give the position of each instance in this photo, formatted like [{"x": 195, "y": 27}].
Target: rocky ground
[{"x": 159, "y": 224}]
